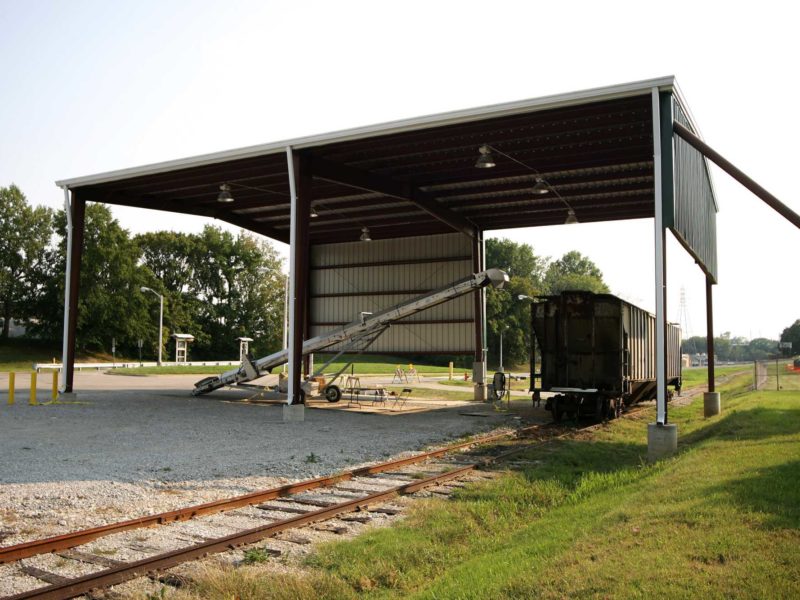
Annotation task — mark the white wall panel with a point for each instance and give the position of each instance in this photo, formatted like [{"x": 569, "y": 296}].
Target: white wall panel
[{"x": 345, "y": 281}]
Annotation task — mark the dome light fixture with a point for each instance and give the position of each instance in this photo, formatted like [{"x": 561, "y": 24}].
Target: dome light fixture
[
  {"x": 225, "y": 196},
  {"x": 485, "y": 158},
  {"x": 540, "y": 188},
  {"x": 365, "y": 237},
  {"x": 571, "y": 218}
]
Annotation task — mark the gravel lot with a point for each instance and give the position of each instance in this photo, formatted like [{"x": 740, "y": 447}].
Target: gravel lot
[{"x": 131, "y": 446}]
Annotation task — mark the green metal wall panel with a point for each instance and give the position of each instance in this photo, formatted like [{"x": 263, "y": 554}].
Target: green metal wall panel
[{"x": 689, "y": 205}]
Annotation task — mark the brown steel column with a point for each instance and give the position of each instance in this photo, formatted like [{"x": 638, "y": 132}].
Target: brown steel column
[
  {"x": 478, "y": 266},
  {"x": 710, "y": 334},
  {"x": 78, "y": 207},
  {"x": 300, "y": 268}
]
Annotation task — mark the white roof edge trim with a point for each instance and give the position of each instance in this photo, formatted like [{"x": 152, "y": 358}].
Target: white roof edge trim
[{"x": 449, "y": 118}]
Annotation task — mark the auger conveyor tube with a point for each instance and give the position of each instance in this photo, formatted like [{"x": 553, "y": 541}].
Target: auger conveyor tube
[{"x": 369, "y": 324}]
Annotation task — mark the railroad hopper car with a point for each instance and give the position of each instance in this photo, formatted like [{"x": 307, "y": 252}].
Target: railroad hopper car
[{"x": 597, "y": 353}]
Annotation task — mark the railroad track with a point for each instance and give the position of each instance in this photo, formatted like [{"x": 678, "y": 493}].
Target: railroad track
[{"x": 364, "y": 490}]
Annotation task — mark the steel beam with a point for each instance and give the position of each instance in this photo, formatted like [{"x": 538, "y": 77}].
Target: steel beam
[
  {"x": 724, "y": 164},
  {"x": 338, "y": 173},
  {"x": 73, "y": 273},
  {"x": 300, "y": 186}
]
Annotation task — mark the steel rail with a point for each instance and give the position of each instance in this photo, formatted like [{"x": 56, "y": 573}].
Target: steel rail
[
  {"x": 160, "y": 562},
  {"x": 151, "y": 566},
  {"x": 78, "y": 538},
  {"x": 154, "y": 564}
]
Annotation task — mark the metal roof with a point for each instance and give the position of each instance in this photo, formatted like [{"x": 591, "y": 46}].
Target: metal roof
[{"x": 595, "y": 147}]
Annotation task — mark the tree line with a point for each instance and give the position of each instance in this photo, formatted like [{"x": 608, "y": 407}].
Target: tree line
[
  {"x": 728, "y": 348},
  {"x": 216, "y": 286}
]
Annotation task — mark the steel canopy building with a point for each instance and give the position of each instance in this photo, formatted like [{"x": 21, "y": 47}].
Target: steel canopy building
[{"x": 413, "y": 189}]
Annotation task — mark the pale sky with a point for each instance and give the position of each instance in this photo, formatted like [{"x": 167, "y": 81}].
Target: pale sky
[{"x": 91, "y": 86}]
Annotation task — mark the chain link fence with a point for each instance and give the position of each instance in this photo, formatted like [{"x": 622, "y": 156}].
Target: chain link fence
[{"x": 777, "y": 374}]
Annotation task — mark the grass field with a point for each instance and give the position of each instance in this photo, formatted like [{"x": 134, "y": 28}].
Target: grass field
[
  {"x": 171, "y": 370},
  {"x": 699, "y": 375},
  {"x": 364, "y": 365},
  {"x": 779, "y": 375},
  {"x": 589, "y": 518},
  {"x": 424, "y": 393},
  {"x": 21, "y": 355}
]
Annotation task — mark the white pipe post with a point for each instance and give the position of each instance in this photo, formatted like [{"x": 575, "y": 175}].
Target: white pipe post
[
  {"x": 160, "y": 327},
  {"x": 661, "y": 379},
  {"x": 285, "y": 316},
  {"x": 292, "y": 270},
  {"x": 65, "y": 344},
  {"x": 501, "y": 350}
]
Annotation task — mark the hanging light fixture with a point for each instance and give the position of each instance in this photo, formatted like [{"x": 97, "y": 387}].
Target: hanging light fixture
[
  {"x": 571, "y": 218},
  {"x": 225, "y": 196},
  {"x": 365, "y": 237},
  {"x": 540, "y": 188},
  {"x": 485, "y": 158},
  {"x": 313, "y": 214}
]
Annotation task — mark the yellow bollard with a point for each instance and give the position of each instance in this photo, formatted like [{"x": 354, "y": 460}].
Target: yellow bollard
[
  {"x": 32, "y": 400},
  {"x": 451, "y": 371},
  {"x": 54, "y": 394},
  {"x": 11, "y": 377}
]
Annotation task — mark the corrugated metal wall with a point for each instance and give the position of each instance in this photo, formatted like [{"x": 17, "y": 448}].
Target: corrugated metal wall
[
  {"x": 642, "y": 344},
  {"x": 690, "y": 208},
  {"x": 352, "y": 277}
]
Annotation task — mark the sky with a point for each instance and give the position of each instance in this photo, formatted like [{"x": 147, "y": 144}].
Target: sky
[{"x": 93, "y": 86}]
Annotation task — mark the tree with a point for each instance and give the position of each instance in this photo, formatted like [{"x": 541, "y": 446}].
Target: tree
[
  {"x": 574, "y": 272},
  {"x": 792, "y": 334},
  {"x": 238, "y": 285},
  {"x": 111, "y": 305},
  {"x": 170, "y": 257},
  {"x": 25, "y": 234},
  {"x": 504, "y": 310}
]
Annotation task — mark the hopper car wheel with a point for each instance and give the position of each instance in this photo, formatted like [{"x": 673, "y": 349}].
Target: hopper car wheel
[{"x": 333, "y": 393}]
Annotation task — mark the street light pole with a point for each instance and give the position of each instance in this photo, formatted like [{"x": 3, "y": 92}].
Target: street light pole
[
  {"x": 502, "y": 370},
  {"x": 160, "y": 319}
]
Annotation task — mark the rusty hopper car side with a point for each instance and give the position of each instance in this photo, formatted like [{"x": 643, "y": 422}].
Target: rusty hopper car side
[{"x": 597, "y": 352}]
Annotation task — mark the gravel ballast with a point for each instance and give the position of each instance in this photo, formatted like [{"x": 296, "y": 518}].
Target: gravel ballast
[{"x": 120, "y": 452}]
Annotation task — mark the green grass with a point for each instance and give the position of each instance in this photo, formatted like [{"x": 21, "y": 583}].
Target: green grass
[
  {"x": 516, "y": 385},
  {"x": 426, "y": 393},
  {"x": 171, "y": 370},
  {"x": 788, "y": 380},
  {"x": 378, "y": 364},
  {"x": 593, "y": 519},
  {"x": 18, "y": 354},
  {"x": 364, "y": 365},
  {"x": 698, "y": 376}
]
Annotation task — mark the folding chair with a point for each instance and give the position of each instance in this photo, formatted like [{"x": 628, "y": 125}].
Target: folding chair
[
  {"x": 402, "y": 398},
  {"x": 379, "y": 397}
]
